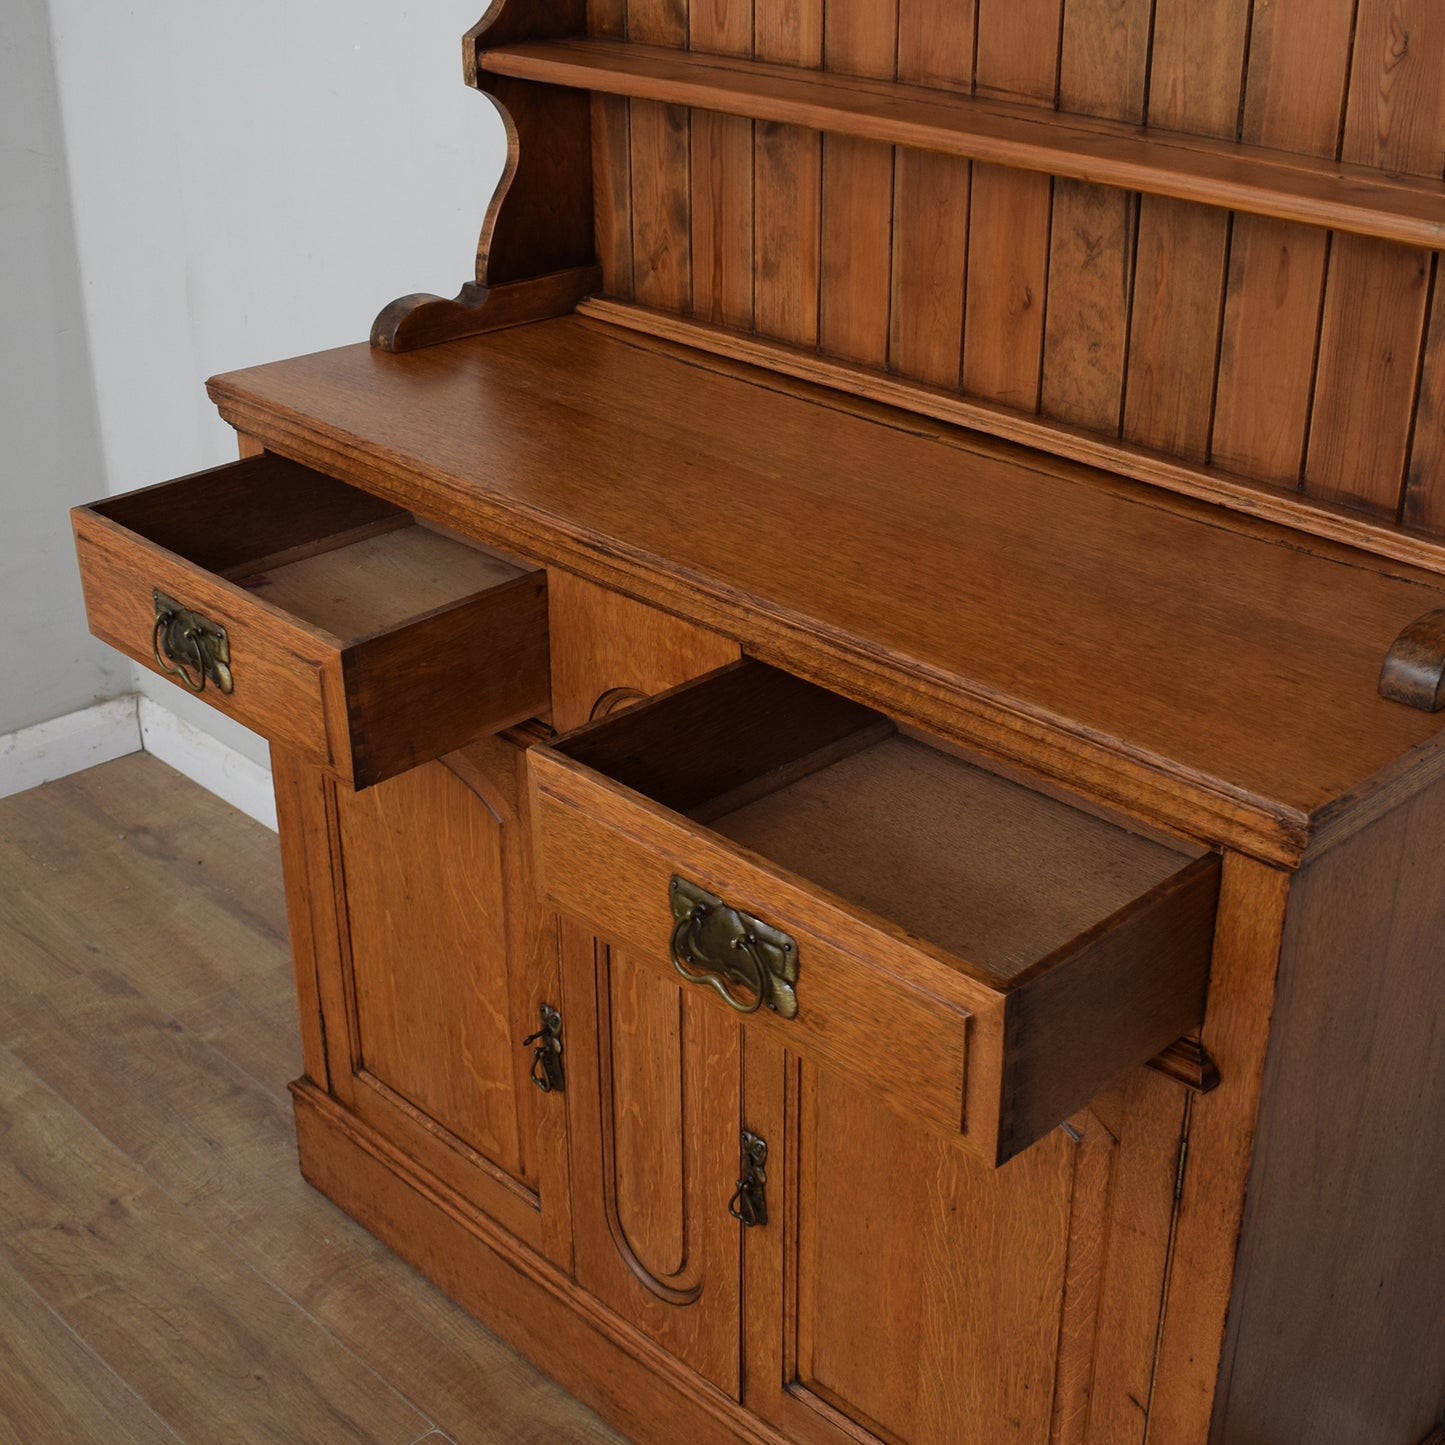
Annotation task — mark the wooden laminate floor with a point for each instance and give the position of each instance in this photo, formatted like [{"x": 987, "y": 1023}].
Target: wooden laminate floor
[{"x": 165, "y": 1273}]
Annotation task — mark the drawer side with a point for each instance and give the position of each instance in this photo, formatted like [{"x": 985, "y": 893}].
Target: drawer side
[{"x": 1113, "y": 998}]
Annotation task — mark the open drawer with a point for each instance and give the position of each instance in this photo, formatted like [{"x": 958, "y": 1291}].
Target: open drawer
[
  {"x": 984, "y": 957},
  {"x": 320, "y": 616}
]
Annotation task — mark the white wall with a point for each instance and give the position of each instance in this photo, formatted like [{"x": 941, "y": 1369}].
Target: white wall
[
  {"x": 251, "y": 182},
  {"x": 49, "y": 446}
]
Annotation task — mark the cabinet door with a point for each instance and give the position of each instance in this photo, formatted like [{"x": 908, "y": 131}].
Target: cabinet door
[
  {"x": 433, "y": 958},
  {"x": 653, "y": 1097},
  {"x": 904, "y": 1290},
  {"x": 654, "y": 1108}
]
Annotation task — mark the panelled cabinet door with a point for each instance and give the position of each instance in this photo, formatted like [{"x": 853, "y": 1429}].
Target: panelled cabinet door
[
  {"x": 654, "y": 1102},
  {"x": 904, "y": 1289},
  {"x": 653, "y": 1096},
  {"x": 440, "y": 960}
]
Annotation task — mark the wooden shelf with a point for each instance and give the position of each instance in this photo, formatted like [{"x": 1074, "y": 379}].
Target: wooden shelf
[{"x": 1352, "y": 198}]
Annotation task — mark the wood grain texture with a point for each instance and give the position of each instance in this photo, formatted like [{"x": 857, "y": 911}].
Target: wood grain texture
[
  {"x": 653, "y": 1093},
  {"x": 606, "y": 643},
  {"x": 1294, "y": 99},
  {"x": 1222, "y": 334},
  {"x": 536, "y": 254},
  {"x": 654, "y": 1239},
  {"x": 441, "y": 1034},
  {"x": 1084, "y": 982},
  {"x": 1194, "y": 84},
  {"x": 859, "y": 38},
  {"x": 280, "y": 664},
  {"x": 1274, "y": 717},
  {"x": 644, "y": 1125},
  {"x": 1337, "y": 1331},
  {"x": 1375, "y": 301},
  {"x": 1376, "y": 295},
  {"x": 788, "y": 185},
  {"x": 1176, "y": 160},
  {"x": 1102, "y": 69},
  {"x": 345, "y": 622},
  {"x": 55, "y": 1387},
  {"x": 612, "y": 162},
  {"x": 722, "y": 179},
  {"x": 434, "y": 867},
  {"x": 168, "y": 1317},
  {"x": 441, "y": 682},
  {"x": 1009, "y": 214},
  {"x": 1308, "y": 517},
  {"x": 1220, "y": 1139},
  {"x": 661, "y": 206},
  {"x": 1424, "y": 502},
  {"x": 661, "y": 189},
  {"x": 1141, "y": 1224},
  {"x": 174, "y": 1041},
  {"x": 1414, "y": 669},
  {"x": 609, "y": 1363}
]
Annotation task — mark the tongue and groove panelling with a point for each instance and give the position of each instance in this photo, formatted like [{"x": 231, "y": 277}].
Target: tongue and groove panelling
[{"x": 1283, "y": 355}]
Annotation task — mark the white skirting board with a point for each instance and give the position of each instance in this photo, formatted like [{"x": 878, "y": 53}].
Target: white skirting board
[
  {"x": 68, "y": 744},
  {"x": 108, "y": 730},
  {"x": 205, "y": 760}
]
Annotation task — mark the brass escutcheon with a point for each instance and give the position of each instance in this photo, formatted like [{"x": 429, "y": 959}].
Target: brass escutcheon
[
  {"x": 190, "y": 641},
  {"x": 718, "y": 946}
]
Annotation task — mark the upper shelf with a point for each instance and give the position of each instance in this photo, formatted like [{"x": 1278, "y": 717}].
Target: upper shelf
[{"x": 1353, "y": 198}]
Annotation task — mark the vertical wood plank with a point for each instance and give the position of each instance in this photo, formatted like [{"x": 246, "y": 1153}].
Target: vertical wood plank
[
  {"x": 930, "y": 204},
  {"x": 1221, "y": 1145},
  {"x": 1374, "y": 318},
  {"x": 661, "y": 189},
  {"x": 1140, "y": 1227},
  {"x": 1102, "y": 71},
  {"x": 1425, "y": 484},
  {"x": 1018, "y": 54},
  {"x": 722, "y": 178},
  {"x": 788, "y": 186},
  {"x": 860, "y": 38},
  {"x": 1195, "y": 77},
  {"x": 612, "y": 163},
  {"x": 1294, "y": 98},
  {"x": 1336, "y": 1331},
  {"x": 1376, "y": 294}
]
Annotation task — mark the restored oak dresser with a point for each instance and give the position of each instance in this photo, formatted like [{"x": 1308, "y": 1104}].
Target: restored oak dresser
[{"x": 854, "y": 721}]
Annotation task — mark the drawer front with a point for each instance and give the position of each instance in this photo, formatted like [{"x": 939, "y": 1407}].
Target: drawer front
[
  {"x": 612, "y": 864},
  {"x": 360, "y": 639},
  {"x": 278, "y": 671},
  {"x": 985, "y": 973}
]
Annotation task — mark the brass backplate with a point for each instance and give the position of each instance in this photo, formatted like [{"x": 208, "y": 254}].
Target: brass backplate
[
  {"x": 747, "y": 962},
  {"x": 199, "y": 648}
]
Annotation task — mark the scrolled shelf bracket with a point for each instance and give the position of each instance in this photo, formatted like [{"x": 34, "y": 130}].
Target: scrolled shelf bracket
[{"x": 1414, "y": 670}]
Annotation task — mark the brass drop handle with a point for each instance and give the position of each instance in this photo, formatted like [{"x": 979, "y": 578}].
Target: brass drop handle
[
  {"x": 546, "y": 1046},
  {"x": 726, "y": 950},
  {"x": 749, "y": 1203},
  {"x": 190, "y": 640}
]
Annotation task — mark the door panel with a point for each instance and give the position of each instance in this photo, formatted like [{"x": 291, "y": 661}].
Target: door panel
[
  {"x": 655, "y": 1158},
  {"x": 654, "y": 1109},
  {"x": 905, "y": 1290},
  {"x": 433, "y": 957},
  {"x": 429, "y": 958},
  {"x": 644, "y": 1041}
]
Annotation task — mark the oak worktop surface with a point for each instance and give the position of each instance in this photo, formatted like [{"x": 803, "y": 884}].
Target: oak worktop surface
[{"x": 1017, "y": 601}]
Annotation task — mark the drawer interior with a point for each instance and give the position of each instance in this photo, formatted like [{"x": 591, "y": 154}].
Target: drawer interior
[
  {"x": 974, "y": 863},
  {"x": 992, "y": 873},
  {"x": 340, "y": 559}
]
